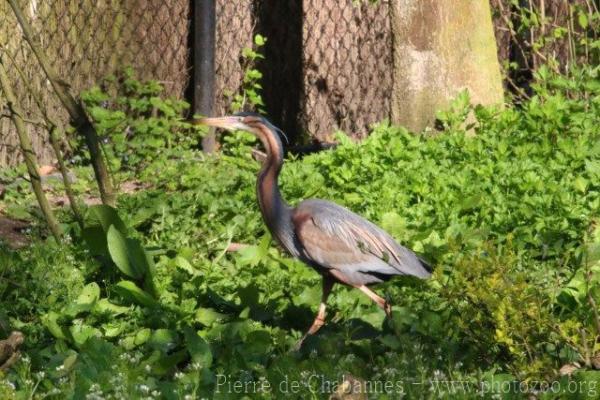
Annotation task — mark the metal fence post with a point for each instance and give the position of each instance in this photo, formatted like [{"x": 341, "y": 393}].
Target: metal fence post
[{"x": 204, "y": 64}]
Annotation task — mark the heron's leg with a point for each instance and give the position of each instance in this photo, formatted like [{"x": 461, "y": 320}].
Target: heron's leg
[
  {"x": 381, "y": 302},
  {"x": 386, "y": 306},
  {"x": 320, "y": 318}
]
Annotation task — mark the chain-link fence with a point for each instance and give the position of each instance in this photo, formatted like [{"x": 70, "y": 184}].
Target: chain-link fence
[
  {"x": 235, "y": 27},
  {"x": 86, "y": 40},
  {"x": 347, "y": 66},
  {"x": 328, "y": 64}
]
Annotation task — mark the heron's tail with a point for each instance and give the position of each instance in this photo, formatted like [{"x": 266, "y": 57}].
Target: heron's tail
[{"x": 425, "y": 265}]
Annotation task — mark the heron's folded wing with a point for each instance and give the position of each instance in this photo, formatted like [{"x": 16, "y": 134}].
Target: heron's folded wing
[{"x": 335, "y": 237}]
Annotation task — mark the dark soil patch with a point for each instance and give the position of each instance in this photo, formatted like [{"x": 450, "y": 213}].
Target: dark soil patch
[{"x": 11, "y": 232}]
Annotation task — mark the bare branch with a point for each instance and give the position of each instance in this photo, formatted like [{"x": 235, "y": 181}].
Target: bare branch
[{"x": 79, "y": 118}]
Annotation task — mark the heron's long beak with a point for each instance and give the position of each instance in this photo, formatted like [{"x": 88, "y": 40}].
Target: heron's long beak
[{"x": 230, "y": 123}]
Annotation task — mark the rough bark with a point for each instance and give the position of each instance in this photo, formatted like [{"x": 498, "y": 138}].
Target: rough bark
[
  {"x": 28, "y": 154},
  {"x": 80, "y": 120},
  {"x": 440, "y": 49}
]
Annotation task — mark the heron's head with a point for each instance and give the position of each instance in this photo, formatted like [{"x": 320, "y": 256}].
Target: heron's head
[{"x": 244, "y": 121}]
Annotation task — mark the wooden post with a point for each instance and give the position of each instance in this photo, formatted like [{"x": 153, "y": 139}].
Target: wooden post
[{"x": 204, "y": 65}]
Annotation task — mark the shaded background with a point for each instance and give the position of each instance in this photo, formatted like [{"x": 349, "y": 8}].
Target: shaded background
[{"x": 328, "y": 63}]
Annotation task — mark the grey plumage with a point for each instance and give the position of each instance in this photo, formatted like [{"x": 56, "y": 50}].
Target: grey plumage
[{"x": 363, "y": 251}]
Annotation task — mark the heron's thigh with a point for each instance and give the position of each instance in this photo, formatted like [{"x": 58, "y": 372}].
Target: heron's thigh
[{"x": 353, "y": 278}]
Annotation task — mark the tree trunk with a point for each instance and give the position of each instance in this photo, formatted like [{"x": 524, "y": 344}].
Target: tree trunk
[{"x": 440, "y": 49}]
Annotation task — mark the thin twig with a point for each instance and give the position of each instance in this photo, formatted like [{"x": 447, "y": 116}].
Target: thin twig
[
  {"x": 595, "y": 311},
  {"x": 81, "y": 121},
  {"x": 52, "y": 128},
  {"x": 28, "y": 153},
  {"x": 513, "y": 33}
]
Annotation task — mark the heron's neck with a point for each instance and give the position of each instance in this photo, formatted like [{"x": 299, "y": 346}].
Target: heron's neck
[{"x": 275, "y": 211}]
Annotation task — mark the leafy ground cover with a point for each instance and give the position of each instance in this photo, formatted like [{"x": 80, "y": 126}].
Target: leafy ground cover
[{"x": 146, "y": 301}]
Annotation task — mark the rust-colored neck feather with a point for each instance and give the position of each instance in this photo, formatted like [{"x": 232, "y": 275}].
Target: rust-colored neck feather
[{"x": 275, "y": 211}]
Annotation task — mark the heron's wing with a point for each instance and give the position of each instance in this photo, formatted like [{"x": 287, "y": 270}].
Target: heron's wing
[{"x": 335, "y": 237}]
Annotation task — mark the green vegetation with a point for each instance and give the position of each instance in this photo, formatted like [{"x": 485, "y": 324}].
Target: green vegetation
[
  {"x": 249, "y": 96},
  {"x": 146, "y": 302}
]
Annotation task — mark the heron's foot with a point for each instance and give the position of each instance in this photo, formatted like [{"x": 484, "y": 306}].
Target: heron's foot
[
  {"x": 299, "y": 344},
  {"x": 316, "y": 325}
]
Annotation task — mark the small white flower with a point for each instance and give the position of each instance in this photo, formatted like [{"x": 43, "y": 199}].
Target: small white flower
[
  {"x": 195, "y": 367},
  {"x": 438, "y": 375}
]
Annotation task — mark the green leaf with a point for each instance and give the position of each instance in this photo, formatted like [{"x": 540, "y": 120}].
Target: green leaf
[
  {"x": 580, "y": 184},
  {"x": 105, "y": 306},
  {"x": 113, "y": 329},
  {"x": 107, "y": 216},
  {"x": 582, "y": 18},
  {"x": 343, "y": 138},
  {"x": 82, "y": 332},
  {"x": 198, "y": 348},
  {"x": 185, "y": 265},
  {"x": 50, "y": 321},
  {"x": 259, "y": 40},
  {"x": 85, "y": 302},
  {"x": 249, "y": 255},
  {"x": 95, "y": 239},
  {"x": 130, "y": 291},
  {"x": 139, "y": 258},
  {"x": 393, "y": 223},
  {"x": 68, "y": 364},
  {"x": 162, "y": 364},
  {"x": 390, "y": 341},
  {"x": 142, "y": 336},
  {"x": 208, "y": 316},
  {"x": 89, "y": 295},
  {"x": 164, "y": 340},
  {"x": 121, "y": 253}
]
